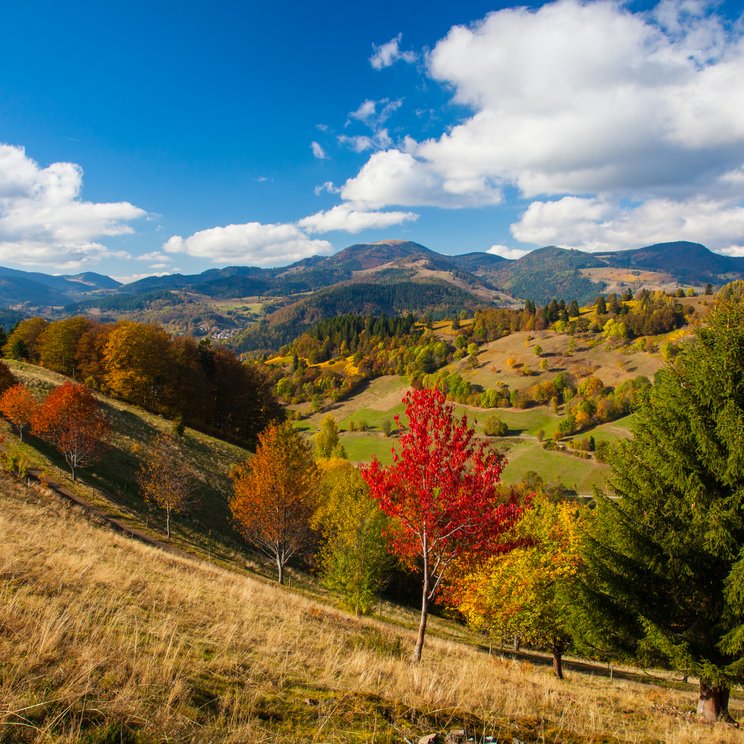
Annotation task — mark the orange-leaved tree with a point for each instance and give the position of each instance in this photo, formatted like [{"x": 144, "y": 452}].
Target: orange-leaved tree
[
  {"x": 165, "y": 477},
  {"x": 275, "y": 494},
  {"x": 71, "y": 419},
  {"x": 441, "y": 493},
  {"x": 18, "y": 404}
]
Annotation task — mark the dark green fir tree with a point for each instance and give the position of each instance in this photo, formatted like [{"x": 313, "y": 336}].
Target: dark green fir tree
[{"x": 664, "y": 556}]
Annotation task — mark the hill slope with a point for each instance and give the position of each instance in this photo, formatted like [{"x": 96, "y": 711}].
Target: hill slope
[{"x": 123, "y": 642}]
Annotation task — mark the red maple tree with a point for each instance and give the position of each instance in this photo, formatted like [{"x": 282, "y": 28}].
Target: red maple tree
[
  {"x": 441, "y": 492},
  {"x": 72, "y": 420}
]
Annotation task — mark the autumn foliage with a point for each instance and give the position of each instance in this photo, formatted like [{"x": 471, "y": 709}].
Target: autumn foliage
[
  {"x": 206, "y": 385},
  {"x": 275, "y": 494},
  {"x": 18, "y": 404},
  {"x": 522, "y": 593},
  {"x": 71, "y": 419},
  {"x": 165, "y": 478},
  {"x": 441, "y": 493}
]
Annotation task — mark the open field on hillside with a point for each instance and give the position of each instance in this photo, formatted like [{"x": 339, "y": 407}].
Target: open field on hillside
[
  {"x": 107, "y": 640},
  {"x": 528, "y": 455},
  {"x": 111, "y": 485},
  {"x": 611, "y": 365}
]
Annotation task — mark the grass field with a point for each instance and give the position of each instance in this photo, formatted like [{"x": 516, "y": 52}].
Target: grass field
[
  {"x": 108, "y": 640},
  {"x": 207, "y": 527},
  {"x": 528, "y": 455}
]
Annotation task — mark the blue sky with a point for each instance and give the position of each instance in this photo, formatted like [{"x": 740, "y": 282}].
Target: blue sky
[{"x": 140, "y": 138}]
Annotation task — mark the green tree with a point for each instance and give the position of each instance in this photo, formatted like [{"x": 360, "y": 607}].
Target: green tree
[
  {"x": 326, "y": 440},
  {"x": 495, "y": 427},
  {"x": 354, "y": 560},
  {"x": 665, "y": 555},
  {"x": 58, "y": 342}
]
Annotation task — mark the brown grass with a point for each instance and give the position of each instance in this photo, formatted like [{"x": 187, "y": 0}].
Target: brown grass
[{"x": 106, "y": 640}]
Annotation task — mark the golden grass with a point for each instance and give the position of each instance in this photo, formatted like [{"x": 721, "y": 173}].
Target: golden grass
[{"x": 104, "y": 639}]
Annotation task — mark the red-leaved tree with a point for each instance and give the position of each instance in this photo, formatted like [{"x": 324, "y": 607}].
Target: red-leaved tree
[
  {"x": 441, "y": 492},
  {"x": 72, "y": 420}
]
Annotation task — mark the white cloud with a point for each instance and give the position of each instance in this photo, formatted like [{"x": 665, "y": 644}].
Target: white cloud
[
  {"x": 389, "y": 53},
  {"x": 43, "y": 220},
  {"x": 505, "y": 252},
  {"x": 581, "y": 98},
  {"x": 318, "y": 151},
  {"x": 375, "y": 113},
  {"x": 252, "y": 243},
  {"x": 153, "y": 256},
  {"x": 367, "y": 109},
  {"x": 327, "y": 187},
  {"x": 394, "y": 177},
  {"x": 362, "y": 143},
  {"x": 599, "y": 224},
  {"x": 347, "y": 219}
]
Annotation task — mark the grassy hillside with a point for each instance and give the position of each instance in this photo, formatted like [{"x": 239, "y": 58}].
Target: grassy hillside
[
  {"x": 108, "y": 640},
  {"x": 504, "y": 361},
  {"x": 111, "y": 485}
]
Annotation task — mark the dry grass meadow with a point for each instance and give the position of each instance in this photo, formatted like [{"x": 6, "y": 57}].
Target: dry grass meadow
[{"x": 103, "y": 639}]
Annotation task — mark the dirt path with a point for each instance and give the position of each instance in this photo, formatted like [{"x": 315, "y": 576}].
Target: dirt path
[{"x": 33, "y": 475}]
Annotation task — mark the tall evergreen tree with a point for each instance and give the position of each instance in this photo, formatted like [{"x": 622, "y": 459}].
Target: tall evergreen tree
[{"x": 665, "y": 554}]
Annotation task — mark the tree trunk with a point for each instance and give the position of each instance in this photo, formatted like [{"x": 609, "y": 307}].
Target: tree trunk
[
  {"x": 280, "y": 569},
  {"x": 558, "y": 663},
  {"x": 167, "y": 522},
  {"x": 74, "y": 474},
  {"x": 713, "y": 703},
  {"x": 422, "y": 624},
  {"x": 424, "y": 614}
]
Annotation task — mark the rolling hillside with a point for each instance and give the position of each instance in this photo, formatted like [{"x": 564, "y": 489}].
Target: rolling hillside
[{"x": 123, "y": 642}]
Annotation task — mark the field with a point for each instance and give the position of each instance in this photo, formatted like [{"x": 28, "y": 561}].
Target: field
[
  {"x": 108, "y": 640},
  {"x": 111, "y": 485},
  {"x": 380, "y": 400}
]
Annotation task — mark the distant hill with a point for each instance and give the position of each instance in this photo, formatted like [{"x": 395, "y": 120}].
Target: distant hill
[
  {"x": 363, "y": 278},
  {"x": 686, "y": 262},
  {"x": 282, "y": 326},
  {"x": 34, "y": 289}
]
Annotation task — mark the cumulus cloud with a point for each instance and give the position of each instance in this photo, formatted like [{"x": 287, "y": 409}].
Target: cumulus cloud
[
  {"x": 599, "y": 224},
  {"x": 344, "y": 217},
  {"x": 578, "y": 98},
  {"x": 506, "y": 252},
  {"x": 396, "y": 177},
  {"x": 43, "y": 220},
  {"x": 251, "y": 243},
  {"x": 318, "y": 151},
  {"x": 387, "y": 54}
]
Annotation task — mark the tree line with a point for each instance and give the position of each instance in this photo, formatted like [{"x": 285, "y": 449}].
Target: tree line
[{"x": 202, "y": 384}]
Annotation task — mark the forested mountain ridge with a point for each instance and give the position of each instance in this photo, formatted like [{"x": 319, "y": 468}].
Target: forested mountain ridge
[{"x": 381, "y": 276}]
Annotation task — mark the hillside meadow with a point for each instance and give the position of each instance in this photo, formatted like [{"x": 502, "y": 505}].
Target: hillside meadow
[{"x": 104, "y": 639}]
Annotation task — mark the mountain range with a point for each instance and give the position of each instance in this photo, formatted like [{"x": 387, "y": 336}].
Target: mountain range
[{"x": 384, "y": 277}]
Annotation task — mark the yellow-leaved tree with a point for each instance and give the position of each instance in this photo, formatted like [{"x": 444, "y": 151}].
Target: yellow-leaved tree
[{"x": 521, "y": 593}]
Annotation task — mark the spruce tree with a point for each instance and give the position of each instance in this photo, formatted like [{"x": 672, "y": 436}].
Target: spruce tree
[{"x": 665, "y": 554}]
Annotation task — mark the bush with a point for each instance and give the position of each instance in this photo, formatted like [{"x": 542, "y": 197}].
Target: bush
[{"x": 495, "y": 427}]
